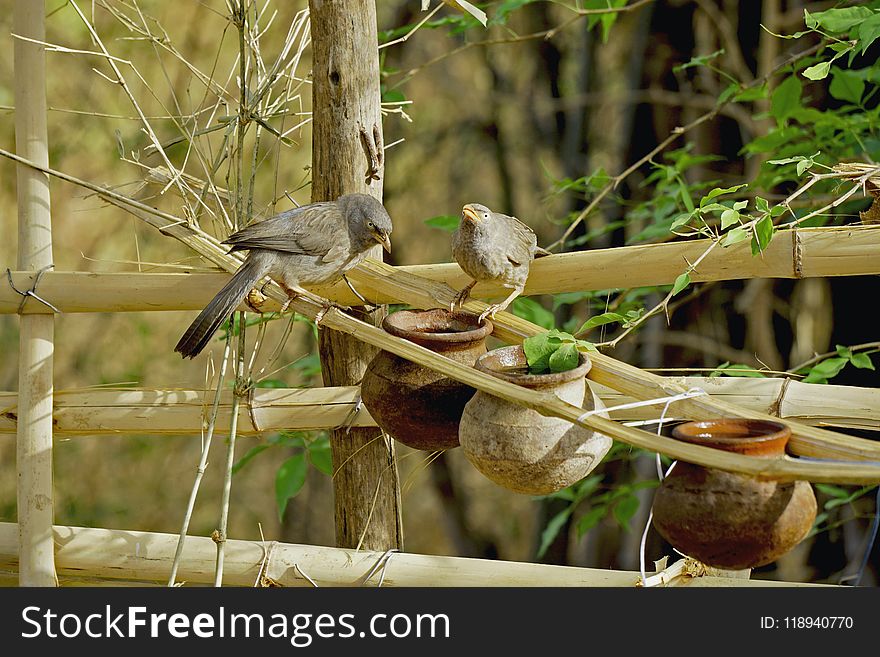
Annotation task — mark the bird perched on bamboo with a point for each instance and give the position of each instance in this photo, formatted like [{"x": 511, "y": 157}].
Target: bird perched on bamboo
[
  {"x": 310, "y": 245},
  {"x": 493, "y": 247}
]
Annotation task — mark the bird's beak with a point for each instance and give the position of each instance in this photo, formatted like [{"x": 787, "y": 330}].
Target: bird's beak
[
  {"x": 470, "y": 214},
  {"x": 385, "y": 241}
]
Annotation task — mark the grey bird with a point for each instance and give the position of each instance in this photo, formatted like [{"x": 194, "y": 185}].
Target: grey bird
[
  {"x": 493, "y": 247},
  {"x": 310, "y": 245}
]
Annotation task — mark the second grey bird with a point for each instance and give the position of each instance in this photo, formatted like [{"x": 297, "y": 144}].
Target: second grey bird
[
  {"x": 494, "y": 247},
  {"x": 310, "y": 245}
]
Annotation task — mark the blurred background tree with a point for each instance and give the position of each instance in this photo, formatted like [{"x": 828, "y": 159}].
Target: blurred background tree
[{"x": 535, "y": 114}]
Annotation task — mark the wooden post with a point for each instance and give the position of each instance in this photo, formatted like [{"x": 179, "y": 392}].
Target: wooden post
[
  {"x": 34, "y": 434},
  {"x": 346, "y": 100}
]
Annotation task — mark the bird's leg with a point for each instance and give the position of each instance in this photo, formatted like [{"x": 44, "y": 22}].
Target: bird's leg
[
  {"x": 369, "y": 307},
  {"x": 462, "y": 296},
  {"x": 495, "y": 307}
]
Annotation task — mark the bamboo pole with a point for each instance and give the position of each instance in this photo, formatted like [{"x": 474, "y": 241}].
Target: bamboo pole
[
  {"x": 834, "y": 251},
  {"x": 36, "y": 346},
  {"x": 269, "y": 410},
  {"x": 135, "y": 556}
]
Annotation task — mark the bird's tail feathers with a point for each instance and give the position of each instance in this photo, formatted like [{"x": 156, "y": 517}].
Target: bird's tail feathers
[{"x": 220, "y": 307}]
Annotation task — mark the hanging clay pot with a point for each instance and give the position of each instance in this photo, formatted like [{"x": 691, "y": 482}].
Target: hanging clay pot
[
  {"x": 517, "y": 447},
  {"x": 416, "y": 405},
  {"x": 731, "y": 520}
]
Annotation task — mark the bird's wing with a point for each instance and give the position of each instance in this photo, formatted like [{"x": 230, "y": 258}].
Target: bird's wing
[
  {"x": 523, "y": 241},
  {"x": 309, "y": 230}
]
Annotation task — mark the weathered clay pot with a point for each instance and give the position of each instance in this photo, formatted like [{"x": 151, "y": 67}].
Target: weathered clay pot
[
  {"x": 731, "y": 520},
  {"x": 418, "y": 406},
  {"x": 517, "y": 447}
]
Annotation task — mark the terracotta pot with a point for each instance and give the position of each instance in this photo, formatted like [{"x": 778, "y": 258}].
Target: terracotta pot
[
  {"x": 418, "y": 406},
  {"x": 517, "y": 447},
  {"x": 731, "y": 520}
]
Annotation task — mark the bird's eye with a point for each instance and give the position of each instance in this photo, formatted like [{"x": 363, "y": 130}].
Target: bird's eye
[
  {"x": 370, "y": 224},
  {"x": 485, "y": 215}
]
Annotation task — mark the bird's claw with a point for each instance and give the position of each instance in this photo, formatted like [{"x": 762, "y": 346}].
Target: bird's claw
[
  {"x": 489, "y": 312},
  {"x": 255, "y": 300}
]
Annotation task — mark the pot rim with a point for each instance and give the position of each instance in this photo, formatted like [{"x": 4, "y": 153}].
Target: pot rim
[
  {"x": 402, "y": 323},
  {"x": 516, "y": 357},
  {"x": 758, "y": 437}
]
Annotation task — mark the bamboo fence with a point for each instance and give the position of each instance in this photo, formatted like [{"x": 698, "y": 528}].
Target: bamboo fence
[
  {"x": 266, "y": 410},
  {"x": 105, "y": 555},
  {"x": 798, "y": 253},
  {"x": 138, "y": 556}
]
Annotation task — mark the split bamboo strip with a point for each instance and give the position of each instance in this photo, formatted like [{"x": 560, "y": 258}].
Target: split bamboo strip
[
  {"x": 417, "y": 291},
  {"x": 421, "y": 292},
  {"x": 267, "y": 410},
  {"x": 835, "y": 251},
  {"x": 37, "y": 332},
  {"x": 114, "y": 554}
]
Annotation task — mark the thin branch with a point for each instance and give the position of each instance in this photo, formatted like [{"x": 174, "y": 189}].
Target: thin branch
[
  {"x": 820, "y": 357},
  {"x": 203, "y": 464}
]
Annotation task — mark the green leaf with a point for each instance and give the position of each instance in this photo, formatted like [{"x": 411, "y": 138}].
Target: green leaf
[
  {"x": 719, "y": 191},
  {"x": 838, "y": 20},
  {"x": 289, "y": 481},
  {"x": 686, "y": 196},
  {"x": 786, "y": 98},
  {"x": 625, "y": 510},
  {"x": 842, "y": 351},
  {"x": 729, "y": 218},
  {"x": 869, "y": 31},
  {"x": 862, "y": 361},
  {"x": 736, "y": 369},
  {"x": 681, "y": 282},
  {"x": 752, "y": 94},
  {"x": 565, "y": 358},
  {"x": 832, "y": 491},
  {"x": 531, "y": 310},
  {"x": 393, "y": 96},
  {"x": 762, "y": 204},
  {"x": 251, "y": 453},
  {"x": 590, "y": 520},
  {"x": 817, "y": 71},
  {"x": 846, "y": 85},
  {"x": 551, "y": 531},
  {"x": 538, "y": 349},
  {"x": 735, "y": 235},
  {"x": 445, "y": 222},
  {"x": 763, "y": 234},
  {"x": 681, "y": 220},
  {"x": 320, "y": 455},
  {"x": 827, "y": 369},
  {"x": 505, "y": 8},
  {"x": 700, "y": 60},
  {"x": 600, "y": 320}
]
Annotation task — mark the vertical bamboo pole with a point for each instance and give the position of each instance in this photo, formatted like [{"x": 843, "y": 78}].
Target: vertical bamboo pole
[
  {"x": 346, "y": 98},
  {"x": 34, "y": 436}
]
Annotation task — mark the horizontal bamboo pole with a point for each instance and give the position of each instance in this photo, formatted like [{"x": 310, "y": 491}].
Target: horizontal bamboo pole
[
  {"x": 836, "y": 251},
  {"x": 806, "y": 440},
  {"x": 414, "y": 287},
  {"x": 114, "y": 554},
  {"x": 174, "y": 412}
]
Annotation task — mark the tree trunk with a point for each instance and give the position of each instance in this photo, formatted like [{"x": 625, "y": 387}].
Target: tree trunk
[{"x": 346, "y": 100}]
